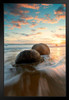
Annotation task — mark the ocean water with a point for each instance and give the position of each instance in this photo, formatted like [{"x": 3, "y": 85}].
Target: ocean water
[{"x": 48, "y": 79}]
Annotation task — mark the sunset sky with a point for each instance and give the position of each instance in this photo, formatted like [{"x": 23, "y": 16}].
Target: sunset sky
[{"x": 34, "y": 23}]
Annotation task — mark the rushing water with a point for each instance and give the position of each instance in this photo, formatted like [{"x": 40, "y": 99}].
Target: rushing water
[{"x": 48, "y": 78}]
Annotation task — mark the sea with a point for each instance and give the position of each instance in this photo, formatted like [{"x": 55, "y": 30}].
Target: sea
[{"x": 49, "y": 78}]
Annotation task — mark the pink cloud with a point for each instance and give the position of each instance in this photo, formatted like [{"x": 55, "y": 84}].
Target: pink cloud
[{"x": 31, "y": 6}]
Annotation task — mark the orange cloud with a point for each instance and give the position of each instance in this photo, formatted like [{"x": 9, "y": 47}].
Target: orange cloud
[
  {"x": 31, "y": 6},
  {"x": 32, "y": 21},
  {"x": 37, "y": 12},
  {"x": 8, "y": 25},
  {"x": 27, "y": 17},
  {"x": 38, "y": 19},
  {"x": 58, "y": 17},
  {"x": 18, "y": 12},
  {"x": 14, "y": 26},
  {"x": 38, "y": 33},
  {"x": 60, "y": 36},
  {"x": 46, "y": 4},
  {"x": 42, "y": 28},
  {"x": 64, "y": 5},
  {"x": 58, "y": 12},
  {"x": 20, "y": 22},
  {"x": 26, "y": 11},
  {"x": 46, "y": 20}
]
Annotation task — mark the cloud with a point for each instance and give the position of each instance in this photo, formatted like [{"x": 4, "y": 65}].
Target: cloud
[
  {"x": 64, "y": 5},
  {"x": 30, "y": 35},
  {"x": 30, "y": 6},
  {"x": 33, "y": 30},
  {"x": 59, "y": 17},
  {"x": 60, "y": 36},
  {"x": 20, "y": 22},
  {"x": 60, "y": 13},
  {"x": 46, "y": 20},
  {"x": 38, "y": 19},
  {"x": 17, "y": 24},
  {"x": 27, "y": 17},
  {"x": 24, "y": 34},
  {"x": 42, "y": 28},
  {"x": 61, "y": 27},
  {"x": 33, "y": 21},
  {"x": 38, "y": 33},
  {"x": 18, "y": 12},
  {"x": 13, "y": 9},
  {"x": 33, "y": 25},
  {"x": 37, "y": 12},
  {"x": 8, "y": 25},
  {"x": 60, "y": 10},
  {"x": 46, "y": 4}
]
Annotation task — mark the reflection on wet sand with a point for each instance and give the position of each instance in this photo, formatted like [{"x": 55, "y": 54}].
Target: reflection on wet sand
[{"x": 47, "y": 82}]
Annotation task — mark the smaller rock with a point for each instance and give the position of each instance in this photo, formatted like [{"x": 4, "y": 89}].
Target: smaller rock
[{"x": 42, "y": 48}]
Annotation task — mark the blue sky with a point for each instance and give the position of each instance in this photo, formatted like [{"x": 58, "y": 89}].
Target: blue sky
[{"x": 34, "y": 23}]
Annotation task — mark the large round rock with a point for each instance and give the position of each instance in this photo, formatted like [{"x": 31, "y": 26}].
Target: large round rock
[
  {"x": 42, "y": 48},
  {"x": 28, "y": 56}
]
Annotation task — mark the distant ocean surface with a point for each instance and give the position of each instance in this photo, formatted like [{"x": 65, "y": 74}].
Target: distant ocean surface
[{"x": 54, "y": 65}]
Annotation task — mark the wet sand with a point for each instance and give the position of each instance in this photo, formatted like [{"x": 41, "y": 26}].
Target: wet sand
[{"x": 49, "y": 81}]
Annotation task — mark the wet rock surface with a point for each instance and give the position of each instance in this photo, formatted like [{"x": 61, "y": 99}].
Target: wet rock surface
[
  {"x": 42, "y": 48},
  {"x": 28, "y": 56}
]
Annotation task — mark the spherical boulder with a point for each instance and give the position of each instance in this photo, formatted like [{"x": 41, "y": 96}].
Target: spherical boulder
[
  {"x": 28, "y": 56},
  {"x": 42, "y": 48}
]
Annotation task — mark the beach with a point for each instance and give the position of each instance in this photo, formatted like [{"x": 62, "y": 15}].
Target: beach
[{"x": 46, "y": 79}]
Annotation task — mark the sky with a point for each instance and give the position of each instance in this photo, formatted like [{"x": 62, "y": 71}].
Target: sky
[{"x": 34, "y": 23}]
